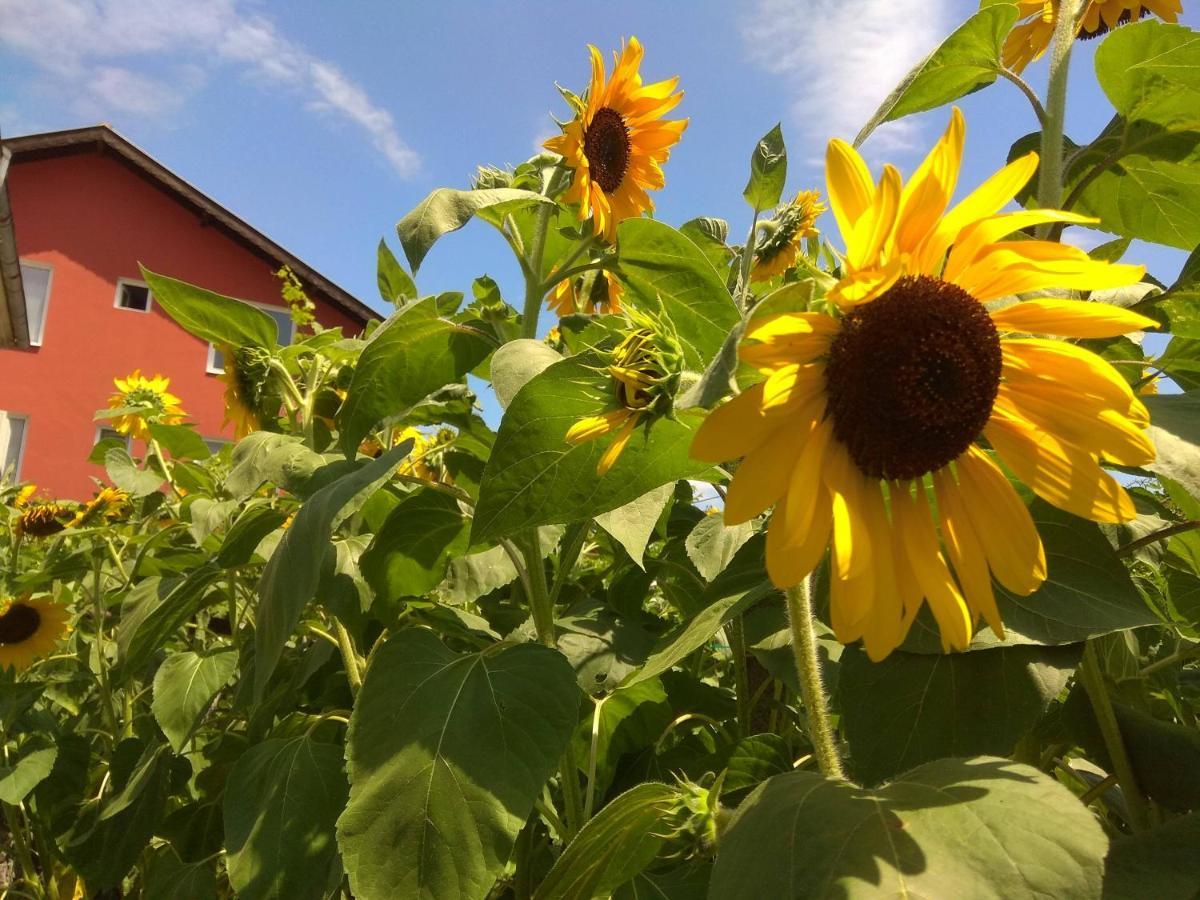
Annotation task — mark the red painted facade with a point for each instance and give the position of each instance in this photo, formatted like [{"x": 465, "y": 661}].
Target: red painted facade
[{"x": 93, "y": 219}]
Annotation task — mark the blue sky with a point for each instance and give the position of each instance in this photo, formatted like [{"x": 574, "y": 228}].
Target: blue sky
[{"x": 323, "y": 123}]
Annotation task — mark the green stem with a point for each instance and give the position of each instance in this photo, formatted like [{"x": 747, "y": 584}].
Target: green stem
[
  {"x": 1091, "y": 676},
  {"x": 736, "y": 635},
  {"x": 808, "y": 668},
  {"x": 746, "y": 262},
  {"x": 349, "y": 656},
  {"x": 563, "y": 269},
  {"x": 156, "y": 450},
  {"x": 1050, "y": 180},
  {"x": 568, "y": 556},
  {"x": 593, "y": 753},
  {"x": 572, "y": 800},
  {"x": 312, "y": 383},
  {"x": 27, "y": 871},
  {"x": 101, "y": 657},
  {"x": 534, "y": 291},
  {"x": 1030, "y": 94},
  {"x": 540, "y": 603}
]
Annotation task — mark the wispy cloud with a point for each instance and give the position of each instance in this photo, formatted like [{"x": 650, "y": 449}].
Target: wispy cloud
[
  {"x": 839, "y": 59},
  {"x": 147, "y": 57}
]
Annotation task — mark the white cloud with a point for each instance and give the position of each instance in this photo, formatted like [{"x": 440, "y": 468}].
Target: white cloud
[
  {"x": 839, "y": 59},
  {"x": 146, "y": 58}
]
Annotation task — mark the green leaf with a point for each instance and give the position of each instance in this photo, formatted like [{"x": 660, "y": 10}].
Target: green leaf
[
  {"x": 663, "y": 271},
  {"x": 1151, "y": 73},
  {"x": 514, "y": 364},
  {"x": 755, "y": 758},
  {"x": 471, "y": 577},
  {"x": 967, "y": 829},
  {"x": 768, "y": 171},
  {"x": 18, "y": 779},
  {"x": 155, "y": 609},
  {"x": 613, "y": 847},
  {"x": 169, "y": 878},
  {"x": 281, "y": 459},
  {"x": 212, "y": 317},
  {"x": 245, "y": 534},
  {"x": 447, "y": 210},
  {"x": 184, "y": 686},
  {"x": 290, "y": 578},
  {"x": 711, "y": 546},
  {"x": 282, "y": 801},
  {"x": 1175, "y": 430},
  {"x": 447, "y": 754},
  {"x": 602, "y": 646},
  {"x": 410, "y": 356},
  {"x": 125, "y": 474},
  {"x": 395, "y": 285},
  {"x": 1087, "y": 592},
  {"x": 534, "y": 477},
  {"x": 1161, "y": 863},
  {"x": 15, "y": 698},
  {"x": 632, "y": 524},
  {"x": 965, "y": 62},
  {"x": 409, "y": 554},
  {"x": 912, "y": 708},
  {"x": 181, "y": 441}
]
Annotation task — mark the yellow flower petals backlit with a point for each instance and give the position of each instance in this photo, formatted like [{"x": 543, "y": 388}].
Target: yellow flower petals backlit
[{"x": 30, "y": 627}]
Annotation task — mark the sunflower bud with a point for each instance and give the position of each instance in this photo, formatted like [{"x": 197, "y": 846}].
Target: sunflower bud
[
  {"x": 779, "y": 244},
  {"x": 488, "y": 177},
  {"x": 692, "y": 820}
]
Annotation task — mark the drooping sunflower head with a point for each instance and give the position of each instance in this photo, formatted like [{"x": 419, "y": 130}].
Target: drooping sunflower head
[
  {"x": 779, "y": 245},
  {"x": 24, "y": 495},
  {"x": 143, "y": 401},
  {"x": 424, "y": 459},
  {"x": 109, "y": 504},
  {"x": 1029, "y": 40},
  {"x": 43, "y": 519},
  {"x": 251, "y": 397},
  {"x": 617, "y": 142},
  {"x": 881, "y": 425},
  {"x": 30, "y": 627},
  {"x": 594, "y": 293}
]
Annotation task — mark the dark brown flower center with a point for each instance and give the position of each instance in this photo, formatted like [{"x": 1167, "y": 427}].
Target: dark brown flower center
[
  {"x": 607, "y": 147},
  {"x": 912, "y": 377},
  {"x": 19, "y": 623}
]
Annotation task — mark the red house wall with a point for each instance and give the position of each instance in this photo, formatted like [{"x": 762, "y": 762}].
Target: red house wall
[{"x": 92, "y": 219}]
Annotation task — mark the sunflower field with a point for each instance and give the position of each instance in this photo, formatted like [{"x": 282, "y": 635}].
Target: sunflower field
[{"x": 859, "y": 560}]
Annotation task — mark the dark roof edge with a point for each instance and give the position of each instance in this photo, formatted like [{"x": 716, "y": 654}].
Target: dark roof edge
[
  {"x": 100, "y": 138},
  {"x": 14, "y": 323}
]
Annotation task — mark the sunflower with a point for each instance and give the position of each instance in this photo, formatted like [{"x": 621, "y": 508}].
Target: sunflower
[
  {"x": 643, "y": 369},
  {"x": 601, "y": 294},
  {"x": 24, "y": 495},
  {"x": 109, "y": 504},
  {"x": 1029, "y": 40},
  {"x": 874, "y": 414},
  {"x": 143, "y": 401},
  {"x": 42, "y": 519},
  {"x": 780, "y": 245},
  {"x": 617, "y": 142},
  {"x": 29, "y": 628},
  {"x": 249, "y": 395}
]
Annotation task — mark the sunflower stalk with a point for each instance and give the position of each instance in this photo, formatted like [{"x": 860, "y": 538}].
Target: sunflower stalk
[
  {"x": 736, "y": 635},
  {"x": 350, "y": 658},
  {"x": 812, "y": 689},
  {"x": 24, "y": 859},
  {"x": 1050, "y": 181},
  {"x": 743, "y": 292}
]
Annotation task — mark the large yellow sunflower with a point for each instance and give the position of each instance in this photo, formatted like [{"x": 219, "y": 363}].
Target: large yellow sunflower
[
  {"x": 145, "y": 400},
  {"x": 29, "y": 628},
  {"x": 1029, "y": 40},
  {"x": 600, "y": 292},
  {"x": 780, "y": 244},
  {"x": 617, "y": 142},
  {"x": 882, "y": 410},
  {"x": 109, "y": 503}
]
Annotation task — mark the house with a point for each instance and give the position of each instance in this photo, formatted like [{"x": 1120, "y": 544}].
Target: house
[{"x": 86, "y": 207}]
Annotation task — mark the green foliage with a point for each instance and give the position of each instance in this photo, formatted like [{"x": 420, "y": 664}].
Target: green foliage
[
  {"x": 212, "y": 317},
  {"x": 768, "y": 171}
]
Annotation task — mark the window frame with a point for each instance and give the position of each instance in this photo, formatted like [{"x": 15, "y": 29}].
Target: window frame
[
  {"x": 34, "y": 264},
  {"x": 100, "y": 429},
  {"x": 20, "y": 463},
  {"x": 210, "y": 366},
  {"x": 133, "y": 281}
]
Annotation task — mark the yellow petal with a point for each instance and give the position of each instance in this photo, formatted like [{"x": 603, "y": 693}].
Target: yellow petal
[
  {"x": 618, "y": 445},
  {"x": 791, "y": 557},
  {"x": 1017, "y": 267},
  {"x": 778, "y": 340},
  {"x": 874, "y": 227},
  {"x": 966, "y": 552},
  {"x": 591, "y": 427},
  {"x": 1099, "y": 432},
  {"x": 976, "y": 237},
  {"x": 1058, "y": 471},
  {"x": 805, "y": 491},
  {"x": 849, "y": 185},
  {"x": 850, "y": 604},
  {"x": 763, "y": 476},
  {"x": 865, "y": 286},
  {"x": 1070, "y": 318},
  {"x": 885, "y": 627},
  {"x": 735, "y": 429},
  {"x": 1040, "y": 360},
  {"x": 929, "y": 190},
  {"x": 851, "y": 539},
  {"x": 792, "y": 386}
]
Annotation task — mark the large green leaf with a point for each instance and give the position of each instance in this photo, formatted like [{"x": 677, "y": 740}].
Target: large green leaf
[
  {"x": 184, "y": 686},
  {"x": 212, "y": 317},
  {"x": 281, "y": 459},
  {"x": 408, "y": 556},
  {"x": 912, "y": 708},
  {"x": 395, "y": 285},
  {"x": 282, "y": 801},
  {"x": 632, "y": 524},
  {"x": 1175, "y": 430},
  {"x": 410, "y": 356},
  {"x": 967, "y": 829},
  {"x": 447, "y": 210},
  {"x": 447, "y": 754},
  {"x": 290, "y": 578},
  {"x": 155, "y": 609},
  {"x": 1151, "y": 73},
  {"x": 1161, "y": 863},
  {"x": 21, "y": 776},
  {"x": 125, "y": 474},
  {"x": 514, "y": 364},
  {"x": 1087, "y": 592},
  {"x": 169, "y": 878},
  {"x": 711, "y": 545},
  {"x": 663, "y": 270},
  {"x": 613, "y": 847},
  {"x": 966, "y": 61},
  {"x": 768, "y": 171},
  {"x": 534, "y": 477}
]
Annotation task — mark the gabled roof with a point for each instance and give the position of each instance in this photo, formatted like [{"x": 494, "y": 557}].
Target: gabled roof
[
  {"x": 14, "y": 325},
  {"x": 103, "y": 140}
]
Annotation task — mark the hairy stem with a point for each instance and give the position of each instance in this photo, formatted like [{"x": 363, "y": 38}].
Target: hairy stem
[
  {"x": 540, "y": 603},
  {"x": 1050, "y": 180},
  {"x": 1030, "y": 94},
  {"x": 349, "y": 656},
  {"x": 812, "y": 690}
]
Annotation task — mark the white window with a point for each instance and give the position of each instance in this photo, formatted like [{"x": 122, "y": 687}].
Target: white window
[
  {"x": 104, "y": 433},
  {"x": 13, "y": 429},
  {"x": 215, "y": 444},
  {"x": 36, "y": 278},
  {"x": 132, "y": 295},
  {"x": 283, "y": 323}
]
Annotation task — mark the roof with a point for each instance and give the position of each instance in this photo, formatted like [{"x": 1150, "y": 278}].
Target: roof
[
  {"x": 103, "y": 140},
  {"x": 14, "y": 324}
]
